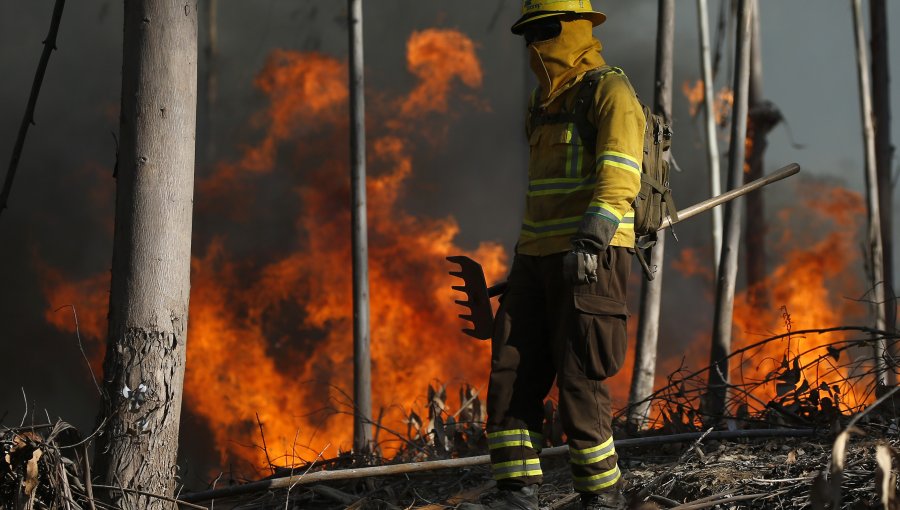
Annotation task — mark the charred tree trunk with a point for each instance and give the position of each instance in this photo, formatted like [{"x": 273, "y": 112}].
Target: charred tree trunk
[
  {"x": 874, "y": 247},
  {"x": 651, "y": 294},
  {"x": 884, "y": 151},
  {"x": 148, "y": 307},
  {"x": 727, "y": 276},
  {"x": 763, "y": 118}
]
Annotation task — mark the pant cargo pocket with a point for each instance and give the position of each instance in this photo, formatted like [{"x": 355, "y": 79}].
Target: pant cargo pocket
[{"x": 600, "y": 337}]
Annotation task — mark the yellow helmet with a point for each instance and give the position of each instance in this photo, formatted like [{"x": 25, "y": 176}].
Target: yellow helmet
[{"x": 537, "y": 9}]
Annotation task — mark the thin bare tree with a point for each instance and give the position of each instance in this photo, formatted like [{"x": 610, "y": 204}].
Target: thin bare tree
[
  {"x": 712, "y": 142},
  {"x": 874, "y": 245},
  {"x": 362, "y": 356},
  {"x": 651, "y": 293},
  {"x": 884, "y": 150},
  {"x": 727, "y": 276}
]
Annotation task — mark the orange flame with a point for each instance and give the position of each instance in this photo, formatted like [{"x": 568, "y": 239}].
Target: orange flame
[
  {"x": 436, "y": 58},
  {"x": 689, "y": 264},
  {"x": 695, "y": 94},
  {"x": 819, "y": 269},
  {"x": 811, "y": 285},
  {"x": 295, "y": 375}
]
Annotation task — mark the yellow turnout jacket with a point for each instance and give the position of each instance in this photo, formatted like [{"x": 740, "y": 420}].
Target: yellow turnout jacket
[{"x": 571, "y": 184}]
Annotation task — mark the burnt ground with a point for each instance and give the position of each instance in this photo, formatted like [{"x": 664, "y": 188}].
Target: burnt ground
[
  {"x": 45, "y": 467},
  {"x": 776, "y": 473},
  {"x": 757, "y": 474}
]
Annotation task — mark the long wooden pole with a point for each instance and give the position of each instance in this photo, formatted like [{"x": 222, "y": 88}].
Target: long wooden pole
[
  {"x": 884, "y": 150},
  {"x": 712, "y": 142},
  {"x": 711, "y": 203},
  {"x": 651, "y": 292},
  {"x": 362, "y": 363},
  {"x": 418, "y": 467},
  {"x": 875, "y": 249},
  {"x": 727, "y": 275}
]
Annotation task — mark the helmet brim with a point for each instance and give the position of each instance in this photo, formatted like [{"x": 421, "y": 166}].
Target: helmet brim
[{"x": 595, "y": 17}]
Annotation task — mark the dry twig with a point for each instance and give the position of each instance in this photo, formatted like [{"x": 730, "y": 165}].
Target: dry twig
[{"x": 28, "y": 118}]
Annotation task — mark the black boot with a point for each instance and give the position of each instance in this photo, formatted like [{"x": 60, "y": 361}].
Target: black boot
[
  {"x": 607, "y": 500},
  {"x": 525, "y": 498}
]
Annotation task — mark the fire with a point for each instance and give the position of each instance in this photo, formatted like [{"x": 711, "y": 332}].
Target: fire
[
  {"x": 689, "y": 264},
  {"x": 820, "y": 266},
  {"x": 695, "y": 95},
  {"x": 808, "y": 291},
  {"x": 88, "y": 297},
  {"x": 274, "y": 339},
  {"x": 436, "y": 57}
]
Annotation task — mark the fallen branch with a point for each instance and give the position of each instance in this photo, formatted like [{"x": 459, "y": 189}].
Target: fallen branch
[
  {"x": 151, "y": 495},
  {"x": 28, "y": 118},
  {"x": 395, "y": 469}
]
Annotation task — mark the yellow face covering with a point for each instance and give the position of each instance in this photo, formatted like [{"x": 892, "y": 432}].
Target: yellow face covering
[{"x": 558, "y": 61}]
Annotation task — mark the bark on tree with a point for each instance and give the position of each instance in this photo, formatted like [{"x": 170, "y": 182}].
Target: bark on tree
[
  {"x": 148, "y": 309},
  {"x": 651, "y": 293},
  {"x": 884, "y": 150}
]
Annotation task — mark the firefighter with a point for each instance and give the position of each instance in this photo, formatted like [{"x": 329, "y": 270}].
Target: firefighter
[{"x": 563, "y": 315}]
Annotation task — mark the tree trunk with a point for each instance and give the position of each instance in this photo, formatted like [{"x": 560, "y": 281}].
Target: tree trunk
[
  {"x": 712, "y": 141},
  {"x": 362, "y": 360},
  {"x": 884, "y": 151},
  {"x": 727, "y": 276},
  {"x": 148, "y": 307},
  {"x": 875, "y": 247},
  {"x": 651, "y": 293},
  {"x": 763, "y": 117}
]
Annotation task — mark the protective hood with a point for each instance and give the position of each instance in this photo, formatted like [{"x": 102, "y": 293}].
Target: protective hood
[{"x": 558, "y": 62}]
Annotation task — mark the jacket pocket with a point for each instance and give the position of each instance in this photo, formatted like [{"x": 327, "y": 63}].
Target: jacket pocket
[{"x": 600, "y": 336}]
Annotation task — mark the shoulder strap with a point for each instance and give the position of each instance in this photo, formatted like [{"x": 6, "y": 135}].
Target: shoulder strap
[
  {"x": 580, "y": 113},
  {"x": 584, "y": 103}
]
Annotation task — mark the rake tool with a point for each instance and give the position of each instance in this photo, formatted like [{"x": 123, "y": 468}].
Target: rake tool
[{"x": 478, "y": 294}]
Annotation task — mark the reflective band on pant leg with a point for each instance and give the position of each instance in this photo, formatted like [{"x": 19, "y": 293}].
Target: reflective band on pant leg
[
  {"x": 517, "y": 469},
  {"x": 515, "y": 437},
  {"x": 597, "y": 483},
  {"x": 592, "y": 455}
]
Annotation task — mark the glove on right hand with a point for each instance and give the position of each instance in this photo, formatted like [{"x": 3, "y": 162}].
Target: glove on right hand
[{"x": 580, "y": 265}]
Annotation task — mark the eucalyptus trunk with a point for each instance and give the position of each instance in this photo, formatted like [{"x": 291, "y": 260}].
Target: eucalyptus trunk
[{"x": 148, "y": 307}]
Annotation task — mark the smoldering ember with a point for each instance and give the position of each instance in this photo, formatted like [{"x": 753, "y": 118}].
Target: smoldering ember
[{"x": 521, "y": 254}]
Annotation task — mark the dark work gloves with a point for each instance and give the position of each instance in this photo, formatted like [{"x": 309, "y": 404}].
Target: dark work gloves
[
  {"x": 580, "y": 265},
  {"x": 592, "y": 239}
]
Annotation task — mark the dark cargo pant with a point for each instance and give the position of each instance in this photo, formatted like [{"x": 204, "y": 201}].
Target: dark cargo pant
[{"x": 546, "y": 329}]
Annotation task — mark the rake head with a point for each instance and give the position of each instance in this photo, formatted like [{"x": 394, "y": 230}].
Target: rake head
[{"x": 478, "y": 301}]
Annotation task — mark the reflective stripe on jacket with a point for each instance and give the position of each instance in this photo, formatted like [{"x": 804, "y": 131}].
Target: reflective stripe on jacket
[{"x": 567, "y": 180}]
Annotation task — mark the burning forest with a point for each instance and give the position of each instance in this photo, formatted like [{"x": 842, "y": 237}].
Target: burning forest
[{"x": 225, "y": 343}]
